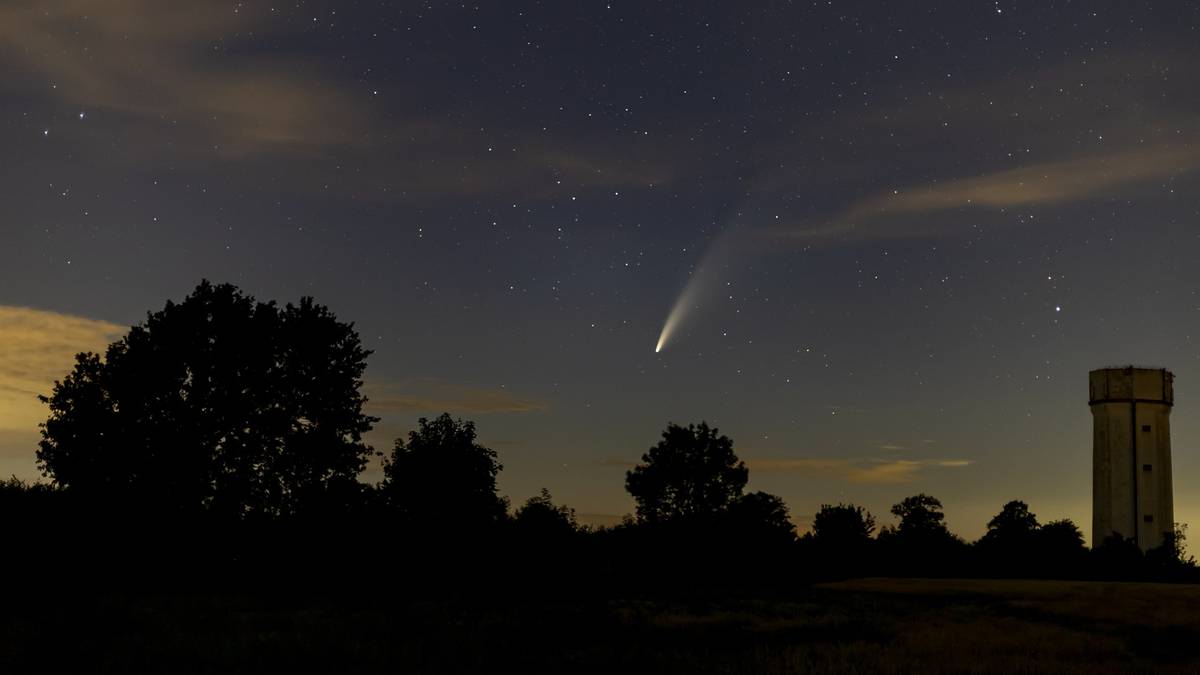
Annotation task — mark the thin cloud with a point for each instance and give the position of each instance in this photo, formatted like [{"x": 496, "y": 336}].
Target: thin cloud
[
  {"x": 1041, "y": 184},
  {"x": 1044, "y": 183},
  {"x": 38, "y": 347},
  {"x": 874, "y": 471},
  {"x": 1133, "y": 108},
  {"x": 177, "y": 79},
  {"x": 171, "y": 61},
  {"x": 429, "y": 395}
]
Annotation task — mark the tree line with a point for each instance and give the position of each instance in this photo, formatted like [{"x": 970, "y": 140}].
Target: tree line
[{"x": 224, "y": 436}]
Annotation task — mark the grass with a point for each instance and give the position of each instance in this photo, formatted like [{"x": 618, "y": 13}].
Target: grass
[{"x": 862, "y": 626}]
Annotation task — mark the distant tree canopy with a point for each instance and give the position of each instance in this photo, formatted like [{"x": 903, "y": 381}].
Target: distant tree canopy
[
  {"x": 1014, "y": 526},
  {"x": 1063, "y": 535},
  {"x": 920, "y": 517},
  {"x": 842, "y": 525},
  {"x": 1060, "y": 546},
  {"x": 762, "y": 517},
  {"x": 219, "y": 404},
  {"x": 441, "y": 477},
  {"x": 691, "y": 472},
  {"x": 921, "y": 543}
]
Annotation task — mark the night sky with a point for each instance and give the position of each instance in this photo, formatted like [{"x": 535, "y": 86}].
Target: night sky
[{"x": 891, "y": 238}]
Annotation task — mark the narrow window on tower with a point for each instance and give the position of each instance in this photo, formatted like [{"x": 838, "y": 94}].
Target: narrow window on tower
[
  {"x": 1148, "y": 518},
  {"x": 1145, "y": 427},
  {"x": 1145, "y": 467}
]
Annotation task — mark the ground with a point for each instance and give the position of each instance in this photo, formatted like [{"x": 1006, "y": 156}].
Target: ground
[{"x": 863, "y": 626}]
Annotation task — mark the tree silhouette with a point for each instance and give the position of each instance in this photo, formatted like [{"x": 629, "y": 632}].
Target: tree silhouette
[
  {"x": 840, "y": 543},
  {"x": 1118, "y": 557},
  {"x": 1061, "y": 535},
  {"x": 539, "y": 518},
  {"x": 921, "y": 544},
  {"x": 1171, "y": 555},
  {"x": 217, "y": 404},
  {"x": 691, "y": 472},
  {"x": 842, "y": 526},
  {"x": 763, "y": 518},
  {"x": 1008, "y": 546},
  {"x": 920, "y": 517},
  {"x": 442, "y": 478},
  {"x": 1060, "y": 548},
  {"x": 1014, "y": 524},
  {"x": 23, "y": 503}
]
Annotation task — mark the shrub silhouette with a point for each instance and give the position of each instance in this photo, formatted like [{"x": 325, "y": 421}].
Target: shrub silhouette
[{"x": 218, "y": 404}]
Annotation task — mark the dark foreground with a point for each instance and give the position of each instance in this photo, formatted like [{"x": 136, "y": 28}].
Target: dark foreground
[{"x": 868, "y": 626}]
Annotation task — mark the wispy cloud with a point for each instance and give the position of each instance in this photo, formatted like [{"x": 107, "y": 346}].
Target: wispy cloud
[
  {"x": 1078, "y": 129},
  {"x": 1043, "y": 183},
  {"x": 855, "y": 470},
  {"x": 1040, "y": 184},
  {"x": 38, "y": 347},
  {"x": 189, "y": 77},
  {"x": 172, "y": 62},
  {"x": 431, "y": 395}
]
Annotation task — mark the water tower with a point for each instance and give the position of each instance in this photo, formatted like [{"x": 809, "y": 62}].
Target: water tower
[{"x": 1131, "y": 454}]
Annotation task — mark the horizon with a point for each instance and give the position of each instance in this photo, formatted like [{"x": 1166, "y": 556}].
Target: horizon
[{"x": 892, "y": 474}]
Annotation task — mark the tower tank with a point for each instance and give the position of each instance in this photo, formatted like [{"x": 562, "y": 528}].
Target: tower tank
[{"x": 1131, "y": 454}]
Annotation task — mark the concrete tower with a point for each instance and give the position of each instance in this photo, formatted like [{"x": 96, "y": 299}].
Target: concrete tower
[{"x": 1131, "y": 454}]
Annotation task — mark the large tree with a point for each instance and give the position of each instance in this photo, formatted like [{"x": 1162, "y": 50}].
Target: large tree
[
  {"x": 691, "y": 472},
  {"x": 219, "y": 403},
  {"x": 440, "y": 477}
]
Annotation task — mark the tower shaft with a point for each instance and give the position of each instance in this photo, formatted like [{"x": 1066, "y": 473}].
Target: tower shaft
[{"x": 1131, "y": 454}]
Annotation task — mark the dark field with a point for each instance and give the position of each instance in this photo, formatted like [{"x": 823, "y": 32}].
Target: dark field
[{"x": 867, "y": 626}]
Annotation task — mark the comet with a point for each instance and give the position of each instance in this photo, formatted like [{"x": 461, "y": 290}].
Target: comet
[
  {"x": 703, "y": 279},
  {"x": 678, "y": 311}
]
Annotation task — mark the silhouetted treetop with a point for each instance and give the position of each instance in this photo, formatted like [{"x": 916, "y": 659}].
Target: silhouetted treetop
[
  {"x": 217, "y": 403},
  {"x": 1171, "y": 554},
  {"x": 692, "y": 471},
  {"x": 1060, "y": 544},
  {"x": 1013, "y": 526},
  {"x": 762, "y": 517},
  {"x": 442, "y": 477},
  {"x": 540, "y": 517},
  {"x": 843, "y": 525},
  {"x": 920, "y": 516}
]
